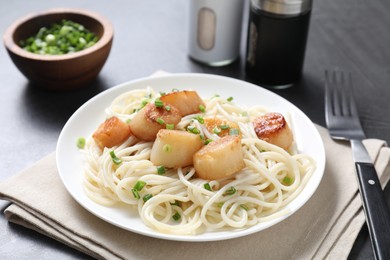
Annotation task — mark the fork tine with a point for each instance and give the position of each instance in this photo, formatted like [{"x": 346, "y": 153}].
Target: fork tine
[{"x": 352, "y": 105}]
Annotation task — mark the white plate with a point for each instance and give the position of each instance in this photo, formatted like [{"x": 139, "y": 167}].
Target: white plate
[{"x": 85, "y": 120}]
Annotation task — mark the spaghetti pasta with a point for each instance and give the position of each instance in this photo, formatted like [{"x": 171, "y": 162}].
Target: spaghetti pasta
[{"x": 176, "y": 201}]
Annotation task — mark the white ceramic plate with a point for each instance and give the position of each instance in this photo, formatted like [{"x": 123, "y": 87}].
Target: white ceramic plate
[{"x": 86, "y": 119}]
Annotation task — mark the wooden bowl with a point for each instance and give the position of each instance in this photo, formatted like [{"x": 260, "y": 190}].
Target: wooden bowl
[{"x": 66, "y": 71}]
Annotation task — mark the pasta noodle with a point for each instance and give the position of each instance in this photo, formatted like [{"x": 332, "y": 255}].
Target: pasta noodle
[{"x": 178, "y": 202}]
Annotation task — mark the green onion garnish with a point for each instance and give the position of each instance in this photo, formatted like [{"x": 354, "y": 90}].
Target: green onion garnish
[
  {"x": 220, "y": 204},
  {"x": 207, "y": 186},
  {"x": 230, "y": 191},
  {"x": 288, "y": 180},
  {"x": 161, "y": 170},
  {"x": 144, "y": 102},
  {"x": 114, "y": 158},
  {"x": 193, "y": 129},
  {"x": 167, "y": 108},
  {"x": 139, "y": 185},
  {"x": 176, "y": 216},
  {"x": 147, "y": 197},
  {"x": 202, "y": 108},
  {"x": 216, "y": 130},
  {"x": 158, "y": 103},
  {"x": 170, "y": 126},
  {"x": 59, "y": 38},
  {"x": 135, "y": 194},
  {"x": 207, "y": 141},
  {"x": 224, "y": 127},
  {"x": 160, "y": 121},
  {"x": 81, "y": 142},
  {"x": 200, "y": 119},
  {"x": 167, "y": 148},
  {"x": 230, "y": 99}
]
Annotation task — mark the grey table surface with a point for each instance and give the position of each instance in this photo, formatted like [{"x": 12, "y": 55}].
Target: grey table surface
[{"x": 150, "y": 35}]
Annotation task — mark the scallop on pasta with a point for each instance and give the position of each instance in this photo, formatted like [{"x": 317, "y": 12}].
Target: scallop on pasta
[{"x": 190, "y": 164}]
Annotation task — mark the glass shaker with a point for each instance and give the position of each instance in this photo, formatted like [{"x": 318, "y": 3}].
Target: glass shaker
[
  {"x": 276, "y": 42},
  {"x": 215, "y": 31}
]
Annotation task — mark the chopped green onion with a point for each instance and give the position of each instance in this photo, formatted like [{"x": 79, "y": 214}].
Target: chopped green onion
[
  {"x": 128, "y": 121},
  {"x": 60, "y": 38},
  {"x": 230, "y": 99},
  {"x": 160, "y": 121},
  {"x": 161, "y": 170},
  {"x": 200, "y": 119},
  {"x": 230, "y": 191},
  {"x": 162, "y": 93},
  {"x": 207, "y": 186},
  {"x": 167, "y": 148},
  {"x": 114, "y": 158},
  {"x": 244, "y": 113},
  {"x": 175, "y": 90},
  {"x": 234, "y": 131},
  {"x": 170, "y": 126},
  {"x": 220, "y": 204},
  {"x": 202, "y": 108},
  {"x": 81, "y": 142},
  {"x": 144, "y": 102},
  {"x": 207, "y": 141},
  {"x": 224, "y": 127},
  {"x": 216, "y": 130},
  {"x": 176, "y": 216},
  {"x": 147, "y": 197},
  {"x": 288, "y": 180},
  {"x": 167, "y": 108},
  {"x": 158, "y": 103},
  {"x": 193, "y": 129},
  {"x": 245, "y": 207},
  {"x": 135, "y": 194},
  {"x": 139, "y": 185}
]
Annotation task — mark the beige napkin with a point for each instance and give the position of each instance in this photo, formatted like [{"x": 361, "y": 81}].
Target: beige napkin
[{"x": 325, "y": 227}]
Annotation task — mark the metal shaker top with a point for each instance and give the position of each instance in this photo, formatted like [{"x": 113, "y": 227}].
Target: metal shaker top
[{"x": 283, "y": 7}]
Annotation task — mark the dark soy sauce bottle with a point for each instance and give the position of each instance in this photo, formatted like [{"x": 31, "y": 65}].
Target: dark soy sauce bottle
[{"x": 276, "y": 42}]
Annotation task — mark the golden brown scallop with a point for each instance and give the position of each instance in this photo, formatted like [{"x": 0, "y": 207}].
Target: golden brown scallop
[
  {"x": 175, "y": 148},
  {"x": 273, "y": 128},
  {"x": 111, "y": 132},
  {"x": 187, "y": 101},
  {"x": 149, "y": 120},
  {"x": 219, "y": 159}
]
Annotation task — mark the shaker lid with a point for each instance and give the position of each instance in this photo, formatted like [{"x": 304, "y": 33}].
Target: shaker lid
[{"x": 283, "y": 7}]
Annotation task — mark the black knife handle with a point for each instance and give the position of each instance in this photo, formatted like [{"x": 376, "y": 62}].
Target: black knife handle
[{"x": 376, "y": 209}]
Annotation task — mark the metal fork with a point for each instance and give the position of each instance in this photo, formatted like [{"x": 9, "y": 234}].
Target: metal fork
[{"x": 343, "y": 123}]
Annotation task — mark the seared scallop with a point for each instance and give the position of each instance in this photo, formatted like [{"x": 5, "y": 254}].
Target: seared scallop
[
  {"x": 187, "y": 101},
  {"x": 273, "y": 128},
  {"x": 221, "y": 127},
  {"x": 175, "y": 148},
  {"x": 219, "y": 159},
  {"x": 111, "y": 132},
  {"x": 149, "y": 120}
]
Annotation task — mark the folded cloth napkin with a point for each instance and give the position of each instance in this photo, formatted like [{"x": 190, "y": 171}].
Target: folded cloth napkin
[{"x": 325, "y": 227}]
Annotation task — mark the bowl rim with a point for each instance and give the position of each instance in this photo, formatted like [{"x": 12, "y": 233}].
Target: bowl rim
[{"x": 12, "y": 46}]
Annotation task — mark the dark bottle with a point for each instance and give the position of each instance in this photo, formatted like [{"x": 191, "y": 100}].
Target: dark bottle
[{"x": 276, "y": 43}]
